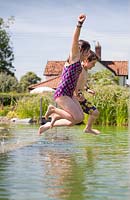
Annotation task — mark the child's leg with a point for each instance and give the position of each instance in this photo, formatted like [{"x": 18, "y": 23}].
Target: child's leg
[
  {"x": 44, "y": 128},
  {"x": 61, "y": 122},
  {"x": 60, "y": 112},
  {"x": 93, "y": 113},
  {"x": 71, "y": 109},
  {"x": 54, "y": 117},
  {"x": 62, "y": 117},
  {"x": 92, "y": 117}
]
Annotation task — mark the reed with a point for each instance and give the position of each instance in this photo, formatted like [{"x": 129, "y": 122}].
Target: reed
[
  {"x": 112, "y": 103},
  {"x": 29, "y": 107}
]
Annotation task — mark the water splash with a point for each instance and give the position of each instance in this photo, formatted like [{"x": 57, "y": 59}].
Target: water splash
[{"x": 19, "y": 143}]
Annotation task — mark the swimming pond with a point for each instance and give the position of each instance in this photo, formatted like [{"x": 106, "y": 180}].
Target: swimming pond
[{"x": 64, "y": 163}]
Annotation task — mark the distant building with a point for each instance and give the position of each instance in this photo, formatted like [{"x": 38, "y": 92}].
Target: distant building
[{"x": 54, "y": 69}]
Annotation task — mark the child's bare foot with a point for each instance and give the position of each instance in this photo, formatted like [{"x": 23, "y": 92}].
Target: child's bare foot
[
  {"x": 49, "y": 111},
  {"x": 54, "y": 118},
  {"x": 92, "y": 131},
  {"x": 43, "y": 128}
]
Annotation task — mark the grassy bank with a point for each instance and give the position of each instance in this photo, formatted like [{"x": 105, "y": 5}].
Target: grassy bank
[{"x": 112, "y": 102}]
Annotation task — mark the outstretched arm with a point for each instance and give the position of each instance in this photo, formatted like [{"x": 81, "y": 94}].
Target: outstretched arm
[{"x": 75, "y": 53}]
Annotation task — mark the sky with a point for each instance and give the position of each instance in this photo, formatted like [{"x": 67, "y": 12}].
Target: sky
[{"x": 43, "y": 29}]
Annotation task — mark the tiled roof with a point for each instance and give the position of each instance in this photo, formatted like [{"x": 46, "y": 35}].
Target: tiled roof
[
  {"x": 53, "y": 83},
  {"x": 120, "y": 68},
  {"x": 54, "y": 68}
]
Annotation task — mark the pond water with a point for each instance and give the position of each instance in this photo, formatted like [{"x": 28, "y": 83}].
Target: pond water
[{"x": 64, "y": 163}]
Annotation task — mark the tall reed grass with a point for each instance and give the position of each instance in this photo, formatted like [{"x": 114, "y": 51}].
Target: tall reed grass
[
  {"x": 29, "y": 107},
  {"x": 112, "y": 102}
]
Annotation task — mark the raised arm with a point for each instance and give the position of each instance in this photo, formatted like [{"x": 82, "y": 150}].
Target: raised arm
[{"x": 74, "y": 52}]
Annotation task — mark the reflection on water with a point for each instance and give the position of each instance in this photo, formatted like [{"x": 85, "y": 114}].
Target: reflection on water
[{"x": 65, "y": 164}]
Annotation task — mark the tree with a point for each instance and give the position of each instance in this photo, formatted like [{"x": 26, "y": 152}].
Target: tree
[
  {"x": 8, "y": 83},
  {"x": 6, "y": 51},
  {"x": 28, "y": 79},
  {"x": 104, "y": 77}
]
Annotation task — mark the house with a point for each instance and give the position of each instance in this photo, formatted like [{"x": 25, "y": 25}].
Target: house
[
  {"x": 54, "y": 69},
  {"x": 118, "y": 68}
]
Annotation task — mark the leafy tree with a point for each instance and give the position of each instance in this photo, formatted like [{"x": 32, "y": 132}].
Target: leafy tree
[
  {"x": 6, "y": 51},
  {"x": 28, "y": 79},
  {"x": 104, "y": 77},
  {"x": 8, "y": 83}
]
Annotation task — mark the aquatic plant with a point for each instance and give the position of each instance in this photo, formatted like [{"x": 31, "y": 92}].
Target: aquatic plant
[
  {"x": 112, "y": 103},
  {"x": 29, "y": 107}
]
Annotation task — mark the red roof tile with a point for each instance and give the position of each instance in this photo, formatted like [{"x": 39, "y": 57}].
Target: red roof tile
[
  {"x": 54, "y": 68},
  {"x": 120, "y": 68},
  {"x": 53, "y": 83}
]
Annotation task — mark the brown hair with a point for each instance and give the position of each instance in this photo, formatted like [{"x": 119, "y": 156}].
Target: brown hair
[
  {"x": 92, "y": 56},
  {"x": 84, "y": 45}
]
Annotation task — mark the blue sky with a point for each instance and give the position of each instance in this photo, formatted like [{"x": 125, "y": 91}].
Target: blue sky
[{"x": 43, "y": 30}]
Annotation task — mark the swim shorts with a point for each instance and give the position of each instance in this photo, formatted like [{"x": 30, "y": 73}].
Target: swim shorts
[{"x": 87, "y": 106}]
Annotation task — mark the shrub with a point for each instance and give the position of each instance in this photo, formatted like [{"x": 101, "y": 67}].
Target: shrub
[
  {"x": 112, "y": 103},
  {"x": 29, "y": 107}
]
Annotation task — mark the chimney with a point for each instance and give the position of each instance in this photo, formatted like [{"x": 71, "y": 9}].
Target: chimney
[{"x": 98, "y": 50}]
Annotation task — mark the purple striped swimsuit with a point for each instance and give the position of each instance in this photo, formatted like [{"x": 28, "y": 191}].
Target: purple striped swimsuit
[{"x": 69, "y": 80}]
